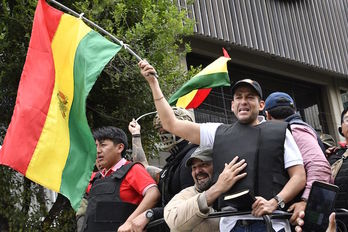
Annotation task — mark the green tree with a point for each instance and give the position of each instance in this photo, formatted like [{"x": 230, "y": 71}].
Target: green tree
[{"x": 155, "y": 29}]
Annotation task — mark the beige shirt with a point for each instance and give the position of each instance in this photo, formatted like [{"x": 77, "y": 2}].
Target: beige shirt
[{"x": 188, "y": 211}]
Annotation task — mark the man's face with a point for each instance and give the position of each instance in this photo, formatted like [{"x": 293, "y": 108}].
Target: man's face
[
  {"x": 345, "y": 126},
  {"x": 246, "y": 105},
  {"x": 108, "y": 154},
  {"x": 202, "y": 173}
]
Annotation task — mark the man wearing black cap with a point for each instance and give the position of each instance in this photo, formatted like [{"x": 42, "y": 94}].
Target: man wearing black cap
[
  {"x": 270, "y": 150},
  {"x": 280, "y": 106},
  {"x": 188, "y": 210},
  {"x": 121, "y": 190}
]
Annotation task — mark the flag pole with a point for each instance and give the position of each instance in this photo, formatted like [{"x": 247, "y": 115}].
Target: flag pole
[
  {"x": 100, "y": 29},
  {"x": 143, "y": 115}
]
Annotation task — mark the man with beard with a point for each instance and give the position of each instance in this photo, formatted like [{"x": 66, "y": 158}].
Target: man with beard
[{"x": 188, "y": 210}]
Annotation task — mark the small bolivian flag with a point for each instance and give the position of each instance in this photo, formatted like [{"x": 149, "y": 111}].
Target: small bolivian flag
[
  {"x": 193, "y": 92},
  {"x": 49, "y": 140}
]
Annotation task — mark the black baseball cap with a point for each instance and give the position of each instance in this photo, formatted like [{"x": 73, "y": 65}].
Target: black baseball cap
[{"x": 254, "y": 84}]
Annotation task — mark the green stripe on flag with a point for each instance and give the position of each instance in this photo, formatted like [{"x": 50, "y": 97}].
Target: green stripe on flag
[
  {"x": 92, "y": 54},
  {"x": 201, "y": 82}
]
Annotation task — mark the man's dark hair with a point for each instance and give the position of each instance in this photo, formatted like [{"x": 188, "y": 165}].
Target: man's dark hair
[
  {"x": 281, "y": 112},
  {"x": 343, "y": 113},
  {"x": 116, "y": 135}
]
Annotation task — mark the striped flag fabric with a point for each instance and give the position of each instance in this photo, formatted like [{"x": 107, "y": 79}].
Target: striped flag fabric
[
  {"x": 49, "y": 140},
  {"x": 225, "y": 53},
  {"x": 194, "y": 92}
]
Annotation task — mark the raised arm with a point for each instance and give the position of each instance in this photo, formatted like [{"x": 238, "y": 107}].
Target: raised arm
[
  {"x": 184, "y": 129},
  {"x": 138, "y": 153}
]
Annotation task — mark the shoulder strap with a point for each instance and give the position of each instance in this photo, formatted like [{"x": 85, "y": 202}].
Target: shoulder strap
[
  {"x": 300, "y": 122},
  {"x": 335, "y": 167},
  {"x": 122, "y": 171},
  {"x": 96, "y": 177}
]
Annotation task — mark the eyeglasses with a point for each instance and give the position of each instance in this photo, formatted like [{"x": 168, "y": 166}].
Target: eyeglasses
[{"x": 345, "y": 120}]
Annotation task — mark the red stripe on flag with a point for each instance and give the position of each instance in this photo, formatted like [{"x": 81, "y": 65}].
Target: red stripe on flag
[
  {"x": 225, "y": 53},
  {"x": 198, "y": 98},
  {"x": 34, "y": 92}
]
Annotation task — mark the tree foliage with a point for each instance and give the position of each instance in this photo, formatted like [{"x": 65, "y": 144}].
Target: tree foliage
[{"x": 155, "y": 29}]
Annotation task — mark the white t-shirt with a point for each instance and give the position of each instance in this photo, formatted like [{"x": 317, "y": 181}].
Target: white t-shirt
[{"x": 292, "y": 157}]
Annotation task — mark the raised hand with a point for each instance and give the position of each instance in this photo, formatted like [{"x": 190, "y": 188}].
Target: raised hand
[
  {"x": 134, "y": 127},
  {"x": 147, "y": 70}
]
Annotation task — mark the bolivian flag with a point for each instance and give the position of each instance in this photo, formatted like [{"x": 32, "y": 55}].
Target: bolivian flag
[
  {"x": 193, "y": 92},
  {"x": 49, "y": 140}
]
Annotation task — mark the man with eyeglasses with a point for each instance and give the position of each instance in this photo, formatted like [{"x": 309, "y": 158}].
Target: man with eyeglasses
[{"x": 341, "y": 179}]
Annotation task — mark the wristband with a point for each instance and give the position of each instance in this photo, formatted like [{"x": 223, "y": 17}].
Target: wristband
[
  {"x": 157, "y": 99},
  {"x": 136, "y": 135}
]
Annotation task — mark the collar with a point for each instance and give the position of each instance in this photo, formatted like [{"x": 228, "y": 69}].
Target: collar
[
  {"x": 295, "y": 116},
  {"x": 197, "y": 189},
  {"x": 261, "y": 119},
  {"x": 114, "y": 168}
]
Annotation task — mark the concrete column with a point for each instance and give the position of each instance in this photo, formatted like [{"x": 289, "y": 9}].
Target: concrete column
[{"x": 335, "y": 108}]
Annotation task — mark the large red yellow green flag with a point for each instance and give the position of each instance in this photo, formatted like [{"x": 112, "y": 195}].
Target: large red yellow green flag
[
  {"x": 49, "y": 140},
  {"x": 193, "y": 92}
]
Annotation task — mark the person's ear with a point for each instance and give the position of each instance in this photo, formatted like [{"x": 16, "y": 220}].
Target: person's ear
[
  {"x": 268, "y": 115},
  {"x": 261, "y": 105},
  {"x": 340, "y": 131},
  {"x": 120, "y": 147}
]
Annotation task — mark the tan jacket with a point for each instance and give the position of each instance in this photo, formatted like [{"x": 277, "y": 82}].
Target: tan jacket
[{"x": 188, "y": 211}]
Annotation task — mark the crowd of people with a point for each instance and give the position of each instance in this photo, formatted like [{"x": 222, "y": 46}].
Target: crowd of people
[{"x": 275, "y": 158}]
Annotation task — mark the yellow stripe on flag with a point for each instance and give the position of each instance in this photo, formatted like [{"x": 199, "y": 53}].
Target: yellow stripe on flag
[
  {"x": 51, "y": 153},
  {"x": 186, "y": 99},
  {"x": 217, "y": 66}
]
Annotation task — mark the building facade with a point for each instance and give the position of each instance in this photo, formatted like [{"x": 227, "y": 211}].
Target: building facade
[{"x": 296, "y": 46}]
